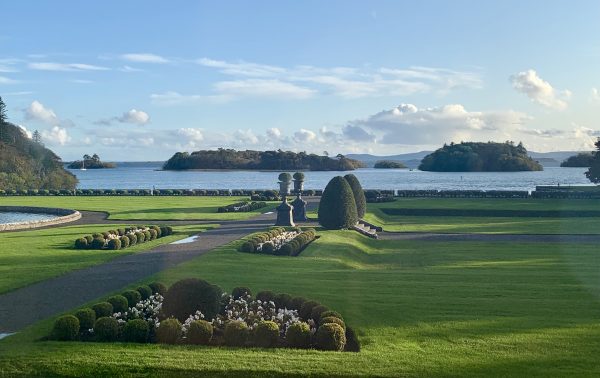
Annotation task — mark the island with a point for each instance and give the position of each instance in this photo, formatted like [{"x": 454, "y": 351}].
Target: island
[
  {"x": 480, "y": 157},
  {"x": 388, "y": 164},
  {"x": 90, "y": 162},
  {"x": 259, "y": 160},
  {"x": 581, "y": 160}
]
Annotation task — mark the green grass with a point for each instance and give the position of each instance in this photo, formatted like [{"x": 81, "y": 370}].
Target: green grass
[
  {"x": 134, "y": 208},
  {"x": 32, "y": 256},
  {"x": 421, "y": 309},
  {"x": 504, "y": 225}
]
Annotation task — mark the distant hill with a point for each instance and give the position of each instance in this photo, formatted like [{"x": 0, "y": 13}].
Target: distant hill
[
  {"x": 583, "y": 160},
  {"x": 27, "y": 164}
]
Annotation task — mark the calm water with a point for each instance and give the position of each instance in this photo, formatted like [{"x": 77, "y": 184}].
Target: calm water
[
  {"x": 14, "y": 217},
  {"x": 147, "y": 176}
]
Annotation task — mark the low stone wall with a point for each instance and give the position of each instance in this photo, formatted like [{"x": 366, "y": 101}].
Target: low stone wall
[{"x": 63, "y": 216}]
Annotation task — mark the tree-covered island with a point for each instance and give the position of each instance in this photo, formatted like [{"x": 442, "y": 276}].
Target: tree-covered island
[
  {"x": 583, "y": 160},
  {"x": 90, "y": 162},
  {"x": 388, "y": 164}
]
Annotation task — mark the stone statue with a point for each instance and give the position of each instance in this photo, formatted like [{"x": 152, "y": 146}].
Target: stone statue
[
  {"x": 284, "y": 210},
  {"x": 299, "y": 205}
]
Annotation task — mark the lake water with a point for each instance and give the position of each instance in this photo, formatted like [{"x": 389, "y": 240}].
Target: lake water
[{"x": 148, "y": 175}]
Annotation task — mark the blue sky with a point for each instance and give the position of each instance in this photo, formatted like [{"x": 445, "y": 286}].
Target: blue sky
[{"x": 140, "y": 80}]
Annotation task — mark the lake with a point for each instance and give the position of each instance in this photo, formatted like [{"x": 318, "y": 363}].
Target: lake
[{"x": 145, "y": 176}]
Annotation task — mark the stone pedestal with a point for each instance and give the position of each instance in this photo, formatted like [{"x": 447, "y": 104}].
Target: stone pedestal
[
  {"x": 299, "y": 209},
  {"x": 284, "y": 214}
]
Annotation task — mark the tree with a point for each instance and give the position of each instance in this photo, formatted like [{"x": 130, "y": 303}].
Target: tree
[
  {"x": 37, "y": 137},
  {"x": 2, "y": 111},
  {"x": 87, "y": 157},
  {"x": 95, "y": 158},
  {"x": 593, "y": 174},
  {"x": 337, "y": 209},
  {"x": 359, "y": 194}
]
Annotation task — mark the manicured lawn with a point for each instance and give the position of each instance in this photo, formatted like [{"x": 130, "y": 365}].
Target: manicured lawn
[
  {"x": 420, "y": 308},
  {"x": 130, "y": 207},
  {"x": 506, "y": 225},
  {"x": 31, "y": 256}
]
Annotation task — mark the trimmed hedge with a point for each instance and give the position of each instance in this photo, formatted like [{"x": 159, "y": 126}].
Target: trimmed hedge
[
  {"x": 122, "y": 238},
  {"x": 187, "y": 296},
  {"x": 266, "y": 334},
  {"x": 86, "y": 317},
  {"x": 119, "y": 303},
  {"x": 200, "y": 332},
  {"x": 106, "y": 329},
  {"x": 136, "y": 331},
  {"x": 359, "y": 194},
  {"x": 241, "y": 207},
  {"x": 298, "y": 335},
  {"x": 169, "y": 331},
  {"x": 103, "y": 309},
  {"x": 236, "y": 333},
  {"x": 337, "y": 208},
  {"x": 330, "y": 336},
  {"x": 66, "y": 328}
]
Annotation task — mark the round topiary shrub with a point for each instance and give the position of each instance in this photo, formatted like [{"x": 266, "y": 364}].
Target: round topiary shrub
[
  {"x": 315, "y": 313},
  {"x": 133, "y": 297},
  {"x": 297, "y": 302},
  {"x": 114, "y": 244},
  {"x": 119, "y": 303},
  {"x": 147, "y": 236},
  {"x": 66, "y": 328},
  {"x": 265, "y": 296},
  {"x": 266, "y": 334},
  {"x": 187, "y": 296},
  {"x": 268, "y": 248},
  {"x": 98, "y": 243},
  {"x": 153, "y": 234},
  {"x": 105, "y": 234},
  {"x": 124, "y": 241},
  {"x": 81, "y": 243},
  {"x": 330, "y": 336},
  {"x": 121, "y": 231},
  {"x": 306, "y": 309},
  {"x": 141, "y": 237},
  {"x": 352, "y": 342},
  {"x": 337, "y": 208},
  {"x": 298, "y": 335},
  {"x": 136, "y": 331},
  {"x": 169, "y": 230},
  {"x": 329, "y": 313},
  {"x": 103, "y": 309},
  {"x": 89, "y": 239},
  {"x": 158, "y": 288},
  {"x": 86, "y": 317},
  {"x": 286, "y": 250},
  {"x": 158, "y": 231},
  {"x": 248, "y": 247},
  {"x": 358, "y": 193},
  {"x": 285, "y": 177},
  {"x": 240, "y": 291},
  {"x": 283, "y": 300},
  {"x": 106, "y": 329},
  {"x": 299, "y": 176},
  {"x": 236, "y": 333},
  {"x": 132, "y": 239},
  {"x": 169, "y": 331},
  {"x": 333, "y": 319},
  {"x": 200, "y": 332},
  {"x": 145, "y": 291}
]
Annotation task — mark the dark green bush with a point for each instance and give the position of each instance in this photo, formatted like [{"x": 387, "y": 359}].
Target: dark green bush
[
  {"x": 106, "y": 329},
  {"x": 136, "y": 331},
  {"x": 86, "y": 317},
  {"x": 352, "y": 342},
  {"x": 266, "y": 334},
  {"x": 329, "y": 313},
  {"x": 286, "y": 250},
  {"x": 145, "y": 291},
  {"x": 153, "y": 234},
  {"x": 248, "y": 247},
  {"x": 105, "y": 234},
  {"x": 103, "y": 309},
  {"x": 306, "y": 309},
  {"x": 89, "y": 239},
  {"x": 114, "y": 244},
  {"x": 337, "y": 208},
  {"x": 200, "y": 332},
  {"x": 124, "y": 241},
  {"x": 187, "y": 296},
  {"x": 66, "y": 328},
  {"x": 236, "y": 333},
  {"x": 240, "y": 291},
  {"x": 133, "y": 297},
  {"x": 121, "y": 231},
  {"x": 119, "y": 303},
  {"x": 158, "y": 288},
  {"x": 147, "y": 236},
  {"x": 315, "y": 313},
  {"x": 298, "y": 335},
  {"x": 132, "y": 239},
  {"x": 358, "y": 193},
  {"x": 297, "y": 302},
  {"x": 169, "y": 331},
  {"x": 141, "y": 237},
  {"x": 283, "y": 300},
  {"x": 158, "y": 231},
  {"x": 97, "y": 243},
  {"x": 268, "y": 248},
  {"x": 332, "y": 319},
  {"x": 81, "y": 243},
  {"x": 330, "y": 336},
  {"x": 265, "y": 296},
  {"x": 169, "y": 230}
]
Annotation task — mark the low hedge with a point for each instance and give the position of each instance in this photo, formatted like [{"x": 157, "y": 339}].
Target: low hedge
[
  {"x": 290, "y": 248},
  {"x": 122, "y": 238},
  {"x": 241, "y": 207}
]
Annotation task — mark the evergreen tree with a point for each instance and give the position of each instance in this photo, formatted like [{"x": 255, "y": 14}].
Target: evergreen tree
[
  {"x": 337, "y": 209},
  {"x": 359, "y": 195},
  {"x": 593, "y": 174},
  {"x": 37, "y": 137},
  {"x": 2, "y": 111}
]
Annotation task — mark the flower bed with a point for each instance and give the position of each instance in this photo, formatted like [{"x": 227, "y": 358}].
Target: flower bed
[
  {"x": 122, "y": 237},
  {"x": 152, "y": 314},
  {"x": 241, "y": 207},
  {"x": 279, "y": 241}
]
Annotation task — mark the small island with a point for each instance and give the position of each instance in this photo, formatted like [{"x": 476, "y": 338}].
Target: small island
[
  {"x": 388, "y": 164},
  {"x": 581, "y": 160},
  {"x": 259, "y": 160},
  {"x": 90, "y": 162},
  {"x": 480, "y": 157}
]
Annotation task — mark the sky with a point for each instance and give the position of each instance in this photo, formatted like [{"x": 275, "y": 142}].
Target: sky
[{"x": 141, "y": 80}]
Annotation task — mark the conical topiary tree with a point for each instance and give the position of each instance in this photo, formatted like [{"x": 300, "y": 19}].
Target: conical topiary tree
[
  {"x": 359, "y": 195},
  {"x": 337, "y": 208}
]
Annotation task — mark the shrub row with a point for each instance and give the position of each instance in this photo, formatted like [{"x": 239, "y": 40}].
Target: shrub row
[
  {"x": 96, "y": 323},
  {"x": 122, "y": 237},
  {"x": 297, "y": 245},
  {"x": 241, "y": 207},
  {"x": 290, "y": 248}
]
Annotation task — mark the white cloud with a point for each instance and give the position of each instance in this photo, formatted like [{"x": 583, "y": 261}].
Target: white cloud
[
  {"x": 304, "y": 136},
  {"x": 37, "y": 111},
  {"x": 127, "y": 68},
  {"x": 594, "y": 95},
  {"x": 53, "y": 66},
  {"x": 539, "y": 90},
  {"x": 274, "y": 133},
  {"x": 6, "y": 80},
  {"x": 171, "y": 98},
  {"x": 26, "y": 132},
  {"x": 242, "y": 68},
  {"x": 134, "y": 116},
  {"x": 192, "y": 136},
  {"x": 57, "y": 135},
  {"x": 144, "y": 58},
  {"x": 262, "y": 88}
]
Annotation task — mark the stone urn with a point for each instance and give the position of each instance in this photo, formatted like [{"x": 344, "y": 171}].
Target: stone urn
[
  {"x": 285, "y": 182},
  {"x": 298, "y": 182}
]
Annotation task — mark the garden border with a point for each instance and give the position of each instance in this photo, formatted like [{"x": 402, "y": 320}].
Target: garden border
[{"x": 63, "y": 216}]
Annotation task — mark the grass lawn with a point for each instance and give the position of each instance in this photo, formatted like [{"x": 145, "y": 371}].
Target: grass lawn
[
  {"x": 146, "y": 207},
  {"x": 506, "y": 225},
  {"x": 32, "y": 256},
  {"x": 420, "y": 308}
]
